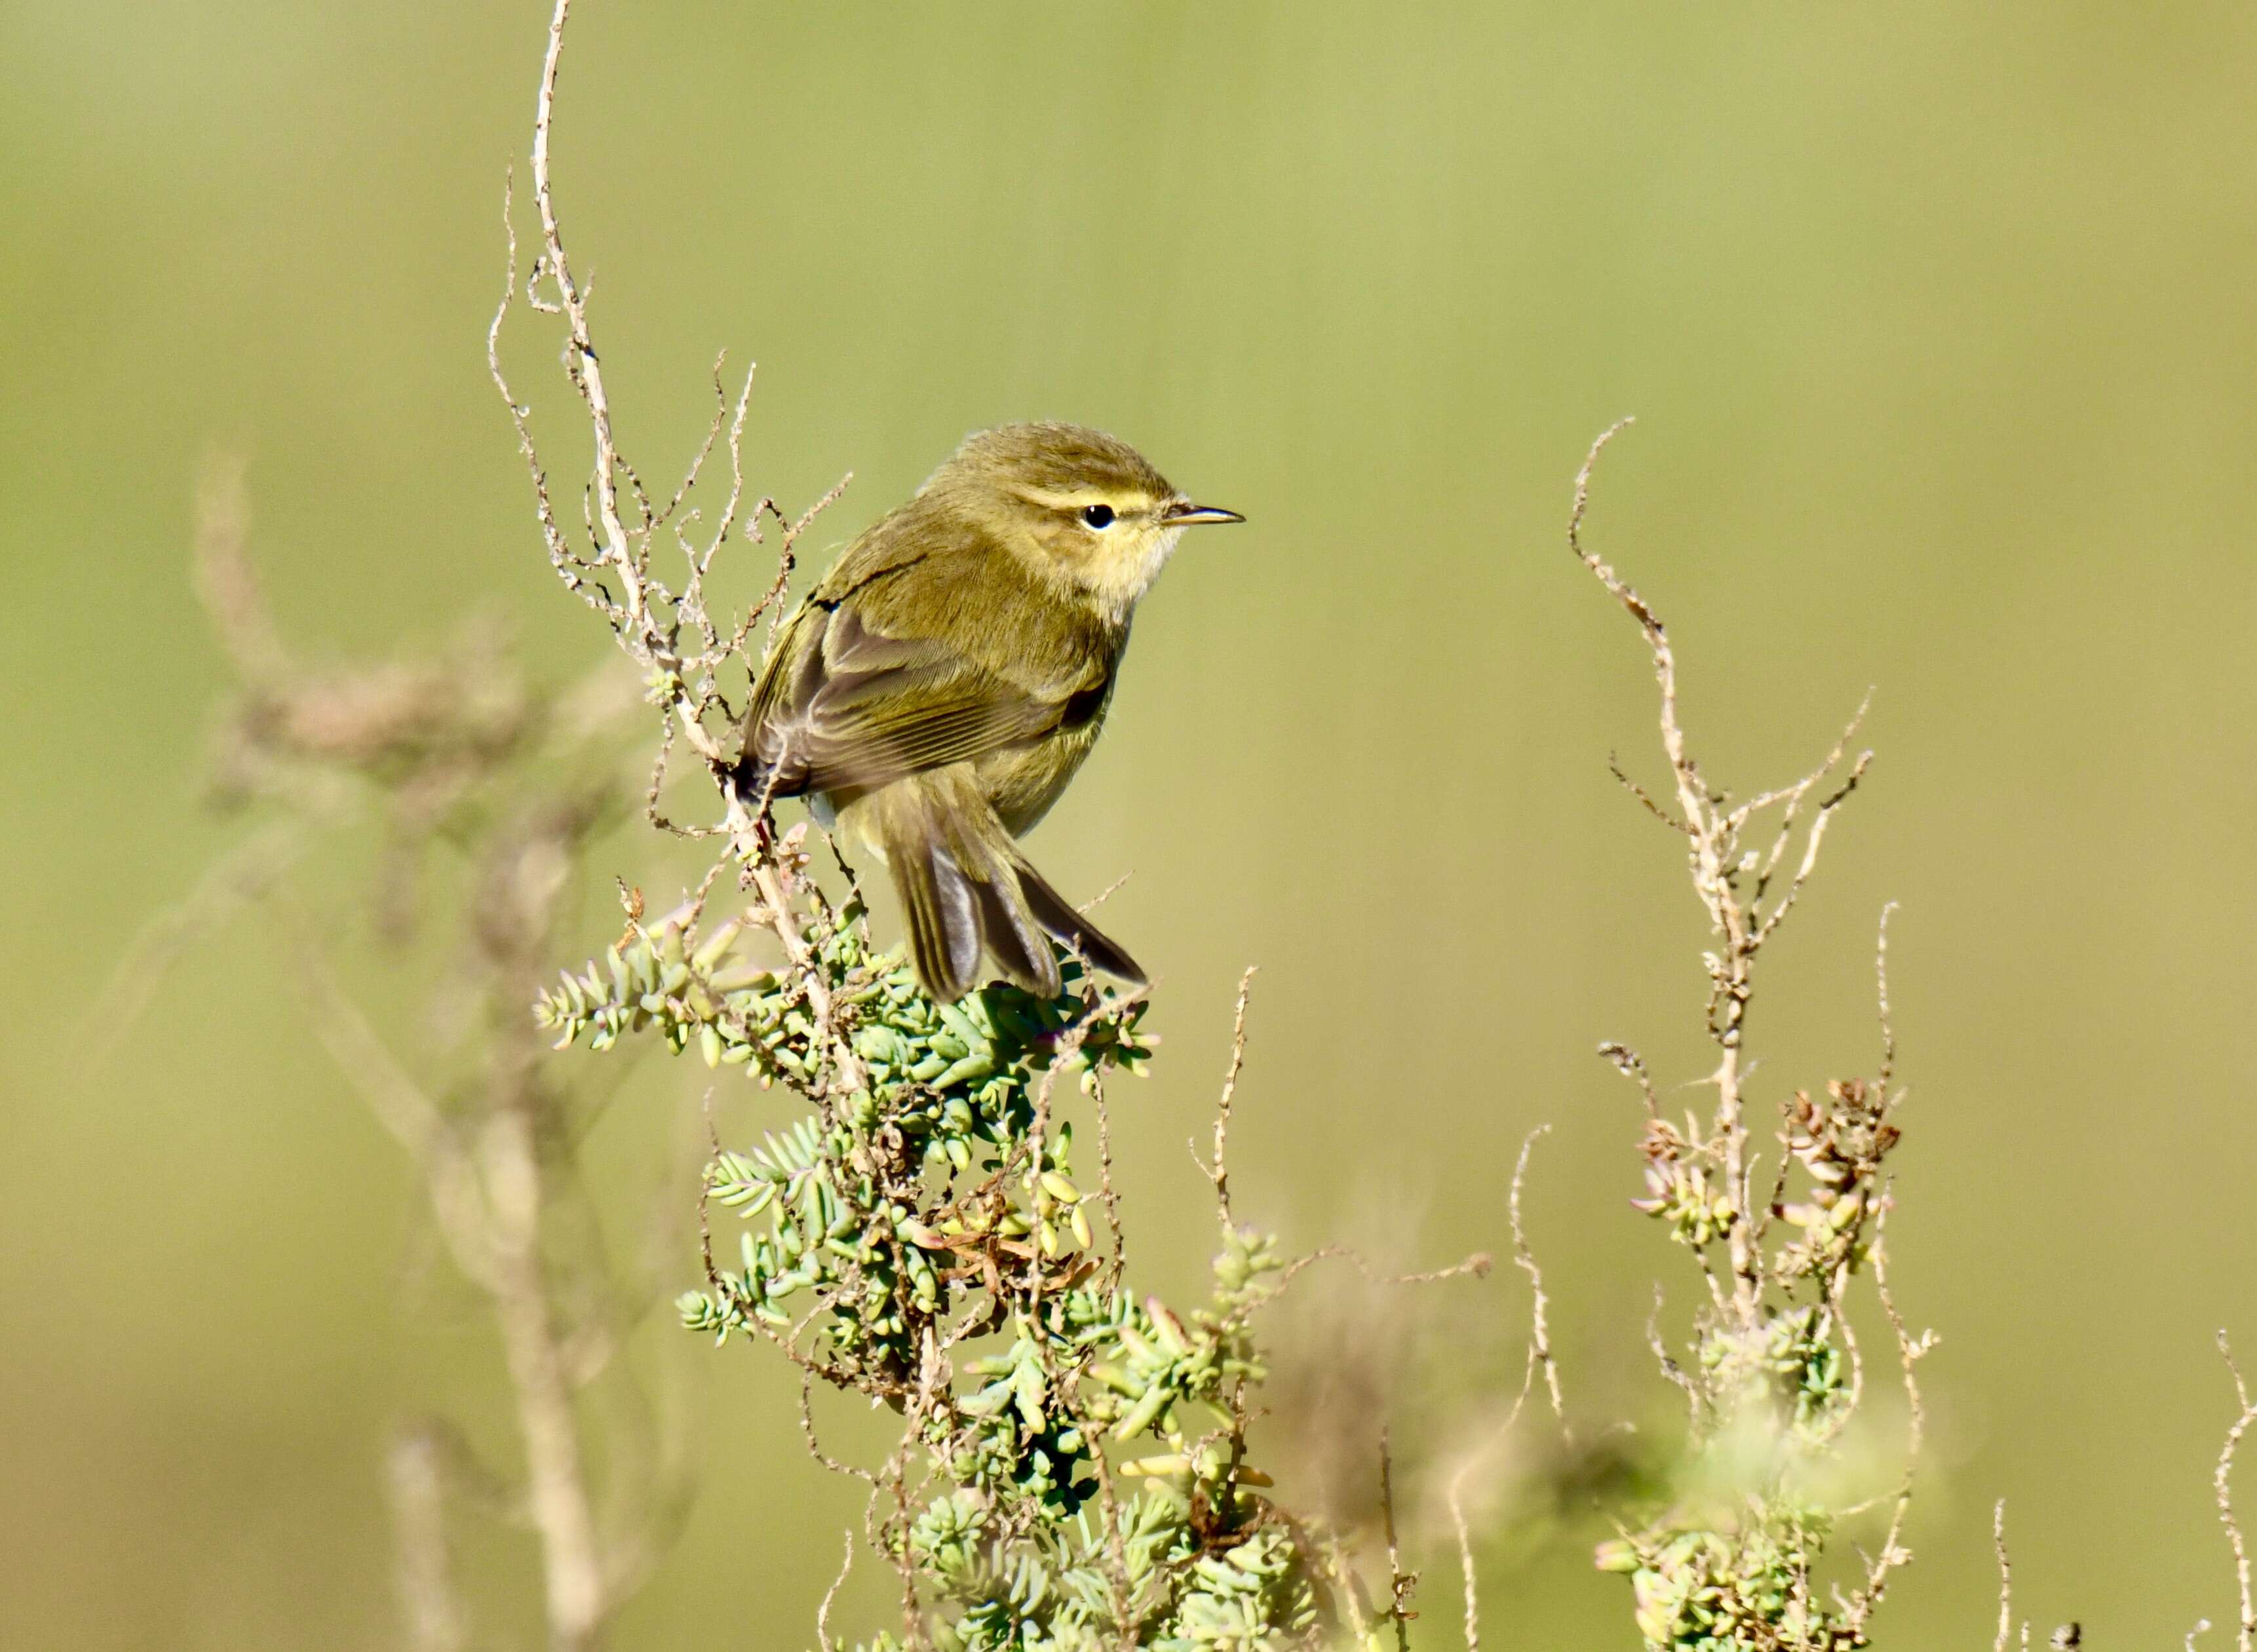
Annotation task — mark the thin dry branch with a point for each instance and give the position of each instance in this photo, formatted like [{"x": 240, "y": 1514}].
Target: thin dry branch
[
  {"x": 580, "y": 361},
  {"x": 1672, "y": 1372},
  {"x": 1737, "y": 917},
  {"x": 244, "y": 874},
  {"x": 2222, "y": 1484},
  {"x": 651, "y": 620},
  {"x": 1217, "y": 1171},
  {"x": 2005, "y": 1576},
  {"x": 1540, "y": 1335},
  {"x": 490, "y": 1191},
  {"x": 1538, "y": 1357},
  {"x": 575, "y": 570},
  {"x": 1464, "y": 1534},
  {"x": 1693, "y": 798},
  {"x": 823, "y": 1612},
  {"x": 1475, "y": 1266},
  {"x": 1701, "y": 1176},
  {"x": 1910, "y": 1351},
  {"x": 1888, "y": 1072},
  {"x": 1631, "y": 1065},
  {"x": 1399, "y": 1582}
]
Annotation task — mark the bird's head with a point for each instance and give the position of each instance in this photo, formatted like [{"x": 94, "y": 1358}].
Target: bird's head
[{"x": 1085, "y": 508}]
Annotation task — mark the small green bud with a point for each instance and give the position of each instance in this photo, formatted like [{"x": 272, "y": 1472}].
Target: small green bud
[
  {"x": 1059, "y": 1189},
  {"x": 1615, "y": 1554},
  {"x": 715, "y": 945}
]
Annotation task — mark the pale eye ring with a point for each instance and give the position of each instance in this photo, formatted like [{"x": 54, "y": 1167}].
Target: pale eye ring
[{"x": 1098, "y": 516}]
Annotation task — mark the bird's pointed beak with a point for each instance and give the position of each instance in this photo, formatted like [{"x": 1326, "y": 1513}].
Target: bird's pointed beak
[{"x": 1184, "y": 513}]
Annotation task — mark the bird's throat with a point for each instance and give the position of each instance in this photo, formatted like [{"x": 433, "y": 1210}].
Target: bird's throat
[{"x": 1116, "y": 585}]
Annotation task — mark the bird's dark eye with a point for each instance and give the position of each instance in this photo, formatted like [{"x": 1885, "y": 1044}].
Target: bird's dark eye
[{"x": 1097, "y": 515}]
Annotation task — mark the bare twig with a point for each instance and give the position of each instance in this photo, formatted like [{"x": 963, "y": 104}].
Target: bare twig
[
  {"x": 1717, "y": 864},
  {"x": 437, "y": 746},
  {"x": 1910, "y": 1351},
  {"x": 1105, "y": 895},
  {"x": 1631, "y": 1065},
  {"x": 1887, "y": 1075},
  {"x": 1218, "y": 1171},
  {"x": 1539, "y": 1355},
  {"x": 1475, "y": 1266},
  {"x": 1400, "y": 1583},
  {"x": 823, "y": 1612},
  {"x": 573, "y": 569},
  {"x": 1472, "y": 1623},
  {"x": 1671, "y": 1371},
  {"x": 581, "y": 363},
  {"x": 1702, "y": 1178},
  {"x": 1539, "y": 1336},
  {"x": 402, "y": 1107},
  {"x": 2222, "y": 1483},
  {"x": 2005, "y": 1576},
  {"x": 1614, "y": 767}
]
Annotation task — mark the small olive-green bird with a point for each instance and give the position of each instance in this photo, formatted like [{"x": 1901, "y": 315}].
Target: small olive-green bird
[{"x": 941, "y": 686}]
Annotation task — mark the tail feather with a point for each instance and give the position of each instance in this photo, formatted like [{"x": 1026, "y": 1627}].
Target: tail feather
[
  {"x": 1022, "y": 951},
  {"x": 967, "y": 892},
  {"x": 944, "y": 932},
  {"x": 954, "y": 867},
  {"x": 1055, "y": 915}
]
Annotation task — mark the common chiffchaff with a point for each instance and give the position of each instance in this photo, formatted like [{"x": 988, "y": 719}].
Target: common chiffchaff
[{"x": 945, "y": 680}]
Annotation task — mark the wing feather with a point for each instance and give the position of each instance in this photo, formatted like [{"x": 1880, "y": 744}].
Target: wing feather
[{"x": 850, "y": 699}]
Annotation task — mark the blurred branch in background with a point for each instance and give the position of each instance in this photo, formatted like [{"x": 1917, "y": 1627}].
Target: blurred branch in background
[{"x": 456, "y": 755}]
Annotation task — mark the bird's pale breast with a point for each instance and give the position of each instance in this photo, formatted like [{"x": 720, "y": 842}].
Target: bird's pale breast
[{"x": 1021, "y": 782}]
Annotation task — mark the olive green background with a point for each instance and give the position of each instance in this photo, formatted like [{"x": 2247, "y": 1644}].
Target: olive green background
[{"x": 1938, "y": 323}]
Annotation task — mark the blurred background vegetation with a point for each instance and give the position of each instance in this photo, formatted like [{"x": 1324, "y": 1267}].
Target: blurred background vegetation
[{"x": 1938, "y": 321}]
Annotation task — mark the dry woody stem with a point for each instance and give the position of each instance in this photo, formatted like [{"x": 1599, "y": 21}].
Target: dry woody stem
[{"x": 1775, "y": 1376}]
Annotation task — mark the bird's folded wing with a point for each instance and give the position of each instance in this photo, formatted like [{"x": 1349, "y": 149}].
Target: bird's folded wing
[{"x": 844, "y": 706}]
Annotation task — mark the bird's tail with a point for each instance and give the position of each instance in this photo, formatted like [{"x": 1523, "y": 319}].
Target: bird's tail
[{"x": 967, "y": 892}]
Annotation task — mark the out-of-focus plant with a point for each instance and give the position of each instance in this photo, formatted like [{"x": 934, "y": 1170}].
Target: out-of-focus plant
[
  {"x": 1774, "y": 1377},
  {"x": 453, "y": 758}
]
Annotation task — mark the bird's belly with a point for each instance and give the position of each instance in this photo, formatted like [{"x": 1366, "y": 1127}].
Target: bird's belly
[{"x": 1021, "y": 785}]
